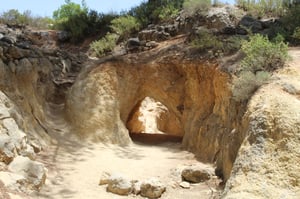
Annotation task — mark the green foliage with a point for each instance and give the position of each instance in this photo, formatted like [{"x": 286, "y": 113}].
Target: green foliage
[
  {"x": 247, "y": 83},
  {"x": 296, "y": 33},
  {"x": 154, "y": 11},
  {"x": 193, "y": 6},
  {"x": 73, "y": 18},
  {"x": 80, "y": 22},
  {"x": 262, "y": 57},
  {"x": 14, "y": 17},
  {"x": 124, "y": 26},
  {"x": 104, "y": 45},
  {"x": 261, "y": 8},
  {"x": 68, "y": 10},
  {"x": 232, "y": 44},
  {"x": 205, "y": 40},
  {"x": 166, "y": 13}
]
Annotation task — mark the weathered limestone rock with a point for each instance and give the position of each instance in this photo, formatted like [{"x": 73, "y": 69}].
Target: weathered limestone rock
[
  {"x": 152, "y": 188},
  {"x": 34, "y": 172},
  {"x": 267, "y": 165},
  {"x": 119, "y": 184},
  {"x": 13, "y": 181},
  {"x": 196, "y": 174}
]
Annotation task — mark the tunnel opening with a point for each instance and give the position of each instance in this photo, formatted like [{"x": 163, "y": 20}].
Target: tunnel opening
[{"x": 151, "y": 122}]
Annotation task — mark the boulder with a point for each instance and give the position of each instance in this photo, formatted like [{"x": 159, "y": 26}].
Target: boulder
[
  {"x": 249, "y": 22},
  {"x": 219, "y": 18},
  {"x": 9, "y": 39},
  {"x": 133, "y": 44},
  {"x": 12, "y": 181},
  {"x": 34, "y": 172},
  {"x": 196, "y": 174},
  {"x": 118, "y": 184},
  {"x": 63, "y": 36},
  {"x": 152, "y": 188}
]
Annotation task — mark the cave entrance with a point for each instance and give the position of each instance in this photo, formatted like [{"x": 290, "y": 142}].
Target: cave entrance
[{"x": 151, "y": 122}]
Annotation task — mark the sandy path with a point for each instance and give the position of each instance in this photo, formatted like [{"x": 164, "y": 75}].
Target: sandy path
[{"x": 75, "y": 168}]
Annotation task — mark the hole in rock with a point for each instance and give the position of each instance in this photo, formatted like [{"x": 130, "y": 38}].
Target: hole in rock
[{"x": 151, "y": 122}]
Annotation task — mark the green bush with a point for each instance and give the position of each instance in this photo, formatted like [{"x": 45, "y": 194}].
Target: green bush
[
  {"x": 193, "y": 6},
  {"x": 296, "y": 33},
  {"x": 14, "y": 17},
  {"x": 155, "y": 11},
  {"x": 167, "y": 12},
  {"x": 261, "y": 8},
  {"x": 262, "y": 57},
  {"x": 204, "y": 41},
  {"x": 104, "y": 45},
  {"x": 124, "y": 26}
]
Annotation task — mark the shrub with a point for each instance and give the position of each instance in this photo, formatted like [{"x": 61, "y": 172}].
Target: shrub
[
  {"x": 247, "y": 83},
  {"x": 193, "y": 6},
  {"x": 124, "y": 26},
  {"x": 167, "y": 12},
  {"x": 155, "y": 11},
  {"x": 262, "y": 57},
  {"x": 14, "y": 17},
  {"x": 260, "y": 8},
  {"x": 104, "y": 45},
  {"x": 204, "y": 40},
  {"x": 296, "y": 33}
]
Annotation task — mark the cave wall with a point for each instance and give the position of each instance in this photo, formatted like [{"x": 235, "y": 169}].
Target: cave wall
[{"x": 197, "y": 94}]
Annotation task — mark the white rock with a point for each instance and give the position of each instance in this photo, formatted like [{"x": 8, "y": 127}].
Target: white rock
[
  {"x": 12, "y": 181},
  {"x": 34, "y": 172},
  {"x": 119, "y": 184},
  {"x": 152, "y": 188}
]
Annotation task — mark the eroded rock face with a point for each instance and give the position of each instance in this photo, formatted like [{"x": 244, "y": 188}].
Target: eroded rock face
[
  {"x": 267, "y": 165},
  {"x": 101, "y": 102}
]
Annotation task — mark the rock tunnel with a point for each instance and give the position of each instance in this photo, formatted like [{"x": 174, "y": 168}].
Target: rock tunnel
[
  {"x": 150, "y": 121},
  {"x": 192, "y": 102}
]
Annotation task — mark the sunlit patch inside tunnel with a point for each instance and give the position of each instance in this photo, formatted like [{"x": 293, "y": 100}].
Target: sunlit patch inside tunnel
[{"x": 152, "y": 122}]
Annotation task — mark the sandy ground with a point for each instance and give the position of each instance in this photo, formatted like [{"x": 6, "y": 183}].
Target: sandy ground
[{"x": 75, "y": 167}]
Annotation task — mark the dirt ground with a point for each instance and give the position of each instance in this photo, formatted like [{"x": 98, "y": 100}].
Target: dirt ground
[{"x": 75, "y": 167}]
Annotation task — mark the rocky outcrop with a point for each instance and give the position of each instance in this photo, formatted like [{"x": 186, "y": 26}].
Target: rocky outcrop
[{"x": 267, "y": 165}]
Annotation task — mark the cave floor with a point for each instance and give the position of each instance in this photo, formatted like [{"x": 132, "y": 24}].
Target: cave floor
[{"x": 75, "y": 167}]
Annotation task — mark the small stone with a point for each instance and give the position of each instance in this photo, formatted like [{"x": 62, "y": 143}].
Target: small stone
[
  {"x": 185, "y": 185},
  {"x": 196, "y": 174},
  {"x": 118, "y": 184},
  {"x": 152, "y": 188}
]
